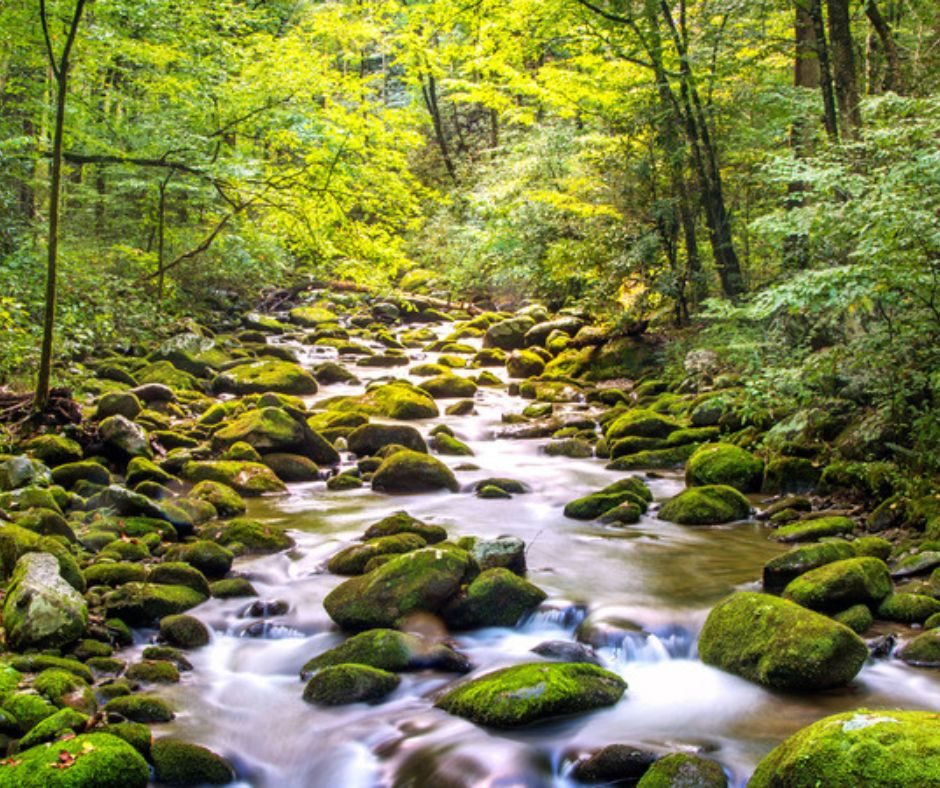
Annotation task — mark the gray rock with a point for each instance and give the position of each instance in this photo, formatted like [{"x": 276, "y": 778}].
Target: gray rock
[{"x": 123, "y": 438}]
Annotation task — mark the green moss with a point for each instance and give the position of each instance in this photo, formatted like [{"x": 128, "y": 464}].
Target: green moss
[
  {"x": 71, "y": 473},
  {"x": 341, "y": 684},
  {"x": 344, "y": 481},
  {"x": 233, "y": 587},
  {"x": 402, "y": 522},
  {"x": 125, "y": 550},
  {"x": 410, "y": 472},
  {"x": 495, "y": 598},
  {"x": 399, "y": 400},
  {"x": 143, "y": 604},
  {"x": 181, "y": 763},
  {"x": 576, "y": 448},
  {"x": 99, "y": 760},
  {"x": 253, "y": 536},
  {"x": 781, "y": 569},
  {"x": 135, "y": 734},
  {"x": 892, "y": 749},
  {"x": 53, "y": 450},
  {"x": 643, "y": 423},
  {"x": 597, "y": 504},
  {"x": 257, "y": 377},
  {"x": 28, "y": 709},
  {"x": 873, "y": 546},
  {"x": 65, "y": 720},
  {"x": 311, "y": 316},
  {"x": 526, "y": 694},
  {"x": 626, "y": 513},
  {"x": 524, "y": 364},
  {"x": 62, "y": 688},
  {"x": 245, "y": 478},
  {"x": 839, "y": 584},
  {"x": 353, "y": 559},
  {"x": 447, "y": 444},
  {"x": 684, "y": 770},
  {"x": 908, "y": 608},
  {"x": 292, "y": 467},
  {"x": 140, "y": 708},
  {"x": 923, "y": 650},
  {"x": 654, "y": 458},
  {"x": 36, "y": 663},
  {"x": 177, "y": 573},
  {"x": 709, "y": 505},
  {"x": 154, "y": 671},
  {"x": 390, "y": 650},
  {"x": 726, "y": 464},
  {"x": 184, "y": 631},
  {"x": 211, "y": 559},
  {"x": 106, "y": 665},
  {"x": 223, "y": 498},
  {"x": 420, "y": 581},
  {"x": 817, "y": 528},
  {"x": 858, "y": 618},
  {"x": 779, "y": 644}
]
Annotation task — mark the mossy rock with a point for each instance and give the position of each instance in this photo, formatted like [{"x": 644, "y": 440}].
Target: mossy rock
[
  {"x": 223, "y": 498},
  {"x": 53, "y": 450},
  {"x": 789, "y": 475},
  {"x": 181, "y": 763},
  {"x": 250, "y": 536},
  {"x": 245, "y": 478},
  {"x": 123, "y": 439},
  {"x": 66, "y": 720},
  {"x": 352, "y": 560},
  {"x": 597, "y": 504},
  {"x": 908, "y": 608},
  {"x": 653, "y": 459},
  {"x": 98, "y": 760},
  {"x": 344, "y": 481},
  {"x": 642, "y": 423},
  {"x": 62, "y": 688},
  {"x": 390, "y": 650},
  {"x": 36, "y": 663},
  {"x": 575, "y": 448},
  {"x": 15, "y": 542},
  {"x": 184, "y": 631},
  {"x": 140, "y": 708},
  {"x": 114, "y": 574},
  {"x": 495, "y": 598},
  {"x": 923, "y": 651},
  {"x": 413, "y": 472},
  {"x": 780, "y": 645},
  {"x": 135, "y": 734},
  {"x": 341, "y": 684},
  {"x": 156, "y": 671},
  {"x": 626, "y": 513},
  {"x": 178, "y": 573},
  {"x": 508, "y": 334},
  {"x": 780, "y": 570},
  {"x": 450, "y": 446},
  {"x": 402, "y": 522},
  {"x": 210, "y": 558},
  {"x": 311, "y": 316},
  {"x": 811, "y": 530},
  {"x": 143, "y": 604},
  {"x": 140, "y": 469},
  {"x": 839, "y": 584},
  {"x": 25, "y": 710},
  {"x": 873, "y": 546},
  {"x": 449, "y": 386},
  {"x": 710, "y": 505},
  {"x": 422, "y": 581},
  {"x": 370, "y": 438},
  {"x": 166, "y": 374},
  {"x": 684, "y": 770},
  {"x": 884, "y": 748},
  {"x": 725, "y": 464},
  {"x": 858, "y": 618},
  {"x": 257, "y": 377},
  {"x": 69, "y": 474},
  {"x": 524, "y": 364},
  {"x": 526, "y": 694},
  {"x": 400, "y": 401},
  {"x": 232, "y": 588}
]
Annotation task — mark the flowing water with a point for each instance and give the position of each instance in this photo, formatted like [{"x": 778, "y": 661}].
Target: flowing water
[{"x": 640, "y": 594}]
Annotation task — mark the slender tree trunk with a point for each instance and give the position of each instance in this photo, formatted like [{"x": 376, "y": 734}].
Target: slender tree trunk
[
  {"x": 825, "y": 70},
  {"x": 843, "y": 67},
  {"x": 60, "y": 70},
  {"x": 161, "y": 227},
  {"x": 893, "y": 79},
  {"x": 494, "y": 128},
  {"x": 429, "y": 93}
]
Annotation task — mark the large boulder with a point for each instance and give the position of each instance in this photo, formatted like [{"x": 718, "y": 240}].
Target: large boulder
[
  {"x": 422, "y": 581},
  {"x": 779, "y": 644},
  {"x": 41, "y": 610},
  {"x": 449, "y": 386},
  {"x": 369, "y": 438},
  {"x": 884, "y": 748},
  {"x": 724, "y": 463},
  {"x": 780, "y": 570},
  {"x": 181, "y": 763},
  {"x": 641, "y": 423},
  {"x": 409, "y": 471},
  {"x": 258, "y": 377},
  {"x": 352, "y": 683},
  {"x": 245, "y": 478},
  {"x": 684, "y": 770},
  {"x": 128, "y": 503},
  {"x": 144, "y": 604},
  {"x": 275, "y": 430},
  {"x": 923, "y": 651},
  {"x": 841, "y": 584},
  {"x": 508, "y": 334},
  {"x": 496, "y": 598},
  {"x": 526, "y": 694},
  {"x": 815, "y": 528},
  {"x": 711, "y": 505},
  {"x": 123, "y": 439}
]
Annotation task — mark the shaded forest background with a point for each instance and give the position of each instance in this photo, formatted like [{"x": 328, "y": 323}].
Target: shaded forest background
[{"x": 757, "y": 180}]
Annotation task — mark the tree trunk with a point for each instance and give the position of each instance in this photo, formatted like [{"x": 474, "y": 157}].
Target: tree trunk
[
  {"x": 60, "y": 70},
  {"x": 825, "y": 70},
  {"x": 893, "y": 79},
  {"x": 843, "y": 67},
  {"x": 429, "y": 92}
]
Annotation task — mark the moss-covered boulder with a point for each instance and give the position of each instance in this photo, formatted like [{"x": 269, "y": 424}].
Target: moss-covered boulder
[
  {"x": 114, "y": 573},
  {"x": 244, "y": 535},
  {"x": 274, "y": 430},
  {"x": 531, "y": 693},
  {"x": 124, "y": 439},
  {"x": 885, "y": 748},
  {"x": 783, "y": 568},
  {"x": 181, "y": 763},
  {"x": 95, "y": 760},
  {"x": 41, "y": 610},
  {"x": 908, "y": 608},
  {"x": 143, "y": 604},
  {"x": 391, "y": 650},
  {"x": 311, "y": 316},
  {"x": 69, "y": 474},
  {"x": 341, "y": 684},
  {"x": 442, "y": 443},
  {"x": 813, "y": 529},
  {"x": 923, "y": 651},
  {"x": 118, "y": 403},
  {"x": 597, "y": 504},
  {"x": 54, "y": 450},
  {"x": 184, "y": 631},
  {"x": 246, "y": 478},
  {"x": 858, "y": 618},
  {"x": 398, "y": 400},
  {"x": 724, "y": 463},
  {"x": 370, "y": 438},
  {"x": 422, "y": 581},
  {"x": 413, "y": 472},
  {"x": 643, "y": 423},
  {"x": 684, "y": 770},
  {"x": 223, "y": 498},
  {"x": 777, "y": 643},
  {"x": 524, "y": 364},
  {"x": 495, "y": 598},
  {"x": 16, "y": 542},
  {"x": 837, "y": 585},
  {"x": 178, "y": 573},
  {"x": 153, "y": 671},
  {"x": 710, "y": 505},
  {"x": 63, "y": 688},
  {"x": 232, "y": 588},
  {"x": 140, "y": 708},
  {"x": 449, "y": 386},
  {"x": 258, "y": 377},
  {"x": 402, "y": 522},
  {"x": 65, "y": 721},
  {"x": 210, "y": 558},
  {"x": 508, "y": 334},
  {"x": 352, "y": 560}
]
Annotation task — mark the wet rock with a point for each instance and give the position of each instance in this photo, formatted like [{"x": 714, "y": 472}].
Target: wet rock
[
  {"x": 779, "y": 571},
  {"x": 779, "y": 644},
  {"x": 140, "y": 708},
  {"x": 347, "y": 480},
  {"x": 184, "y": 631},
  {"x": 567, "y": 651},
  {"x": 495, "y": 598},
  {"x": 246, "y": 478},
  {"x": 527, "y": 694},
  {"x": 123, "y": 439},
  {"x": 143, "y": 604},
  {"x": 211, "y": 559},
  {"x": 232, "y": 587},
  {"x": 412, "y": 472},
  {"x": 98, "y": 760},
  {"x": 524, "y": 364},
  {"x": 329, "y": 372},
  {"x": 462, "y": 407},
  {"x": 114, "y": 573},
  {"x": 881, "y": 647},
  {"x": 443, "y": 443},
  {"x": 917, "y": 564},
  {"x": 52, "y": 450},
  {"x": 181, "y": 763},
  {"x": 684, "y": 770},
  {"x": 642, "y": 423},
  {"x": 352, "y": 560},
  {"x": 510, "y": 486},
  {"x": 257, "y": 377},
  {"x": 369, "y": 438},
  {"x": 267, "y": 607},
  {"x": 908, "y": 608},
  {"x": 923, "y": 651},
  {"x": 858, "y": 618},
  {"x": 724, "y": 464},
  {"x": 399, "y": 400},
  {"x": 127, "y": 503},
  {"x": 575, "y": 448},
  {"x": 508, "y": 334},
  {"x": 155, "y": 671},
  {"x": 391, "y": 650},
  {"x": 223, "y": 498},
  {"x": 507, "y": 552},
  {"x": 813, "y": 529},
  {"x": 615, "y": 763},
  {"x": 857, "y": 748},
  {"x": 65, "y": 721},
  {"x": 711, "y": 505},
  {"x": 118, "y": 403},
  {"x": 492, "y": 493},
  {"x": 243, "y": 535},
  {"x": 449, "y": 386},
  {"x": 274, "y": 430},
  {"x": 402, "y": 522},
  {"x": 422, "y": 581},
  {"x": 41, "y": 610},
  {"x": 354, "y": 683},
  {"x": 839, "y": 584}
]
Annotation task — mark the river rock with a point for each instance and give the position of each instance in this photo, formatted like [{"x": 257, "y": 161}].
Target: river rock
[
  {"x": 495, "y": 598},
  {"x": 402, "y": 522},
  {"x": 143, "y": 604},
  {"x": 41, "y": 610},
  {"x": 409, "y": 471},
  {"x": 246, "y": 478},
  {"x": 857, "y": 748},
  {"x": 51, "y": 450},
  {"x": 274, "y": 430},
  {"x": 724, "y": 463},
  {"x": 780, "y": 570},
  {"x": 615, "y": 763},
  {"x": 390, "y": 650},
  {"x": 353, "y": 683},
  {"x": 684, "y": 770},
  {"x": 567, "y": 651},
  {"x": 181, "y": 763},
  {"x": 508, "y": 334},
  {"x": 449, "y": 386},
  {"x": 422, "y": 581},
  {"x": 711, "y": 505},
  {"x": 531, "y": 693},
  {"x": 124, "y": 439},
  {"x": 838, "y": 585},
  {"x": 813, "y": 529},
  {"x": 369, "y": 438},
  {"x": 507, "y": 552},
  {"x": 779, "y": 644},
  {"x": 923, "y": 651},
  {"x": 352, "y": 560},
  {"x": 258, "y": 377}
]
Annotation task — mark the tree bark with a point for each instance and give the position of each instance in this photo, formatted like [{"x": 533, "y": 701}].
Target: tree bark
[
  {"x": 893, "y": 78},
  {"x": 843, "y": 67},
  {"x": 429, "y": 93},
  {"x": 825, "y": 70}
]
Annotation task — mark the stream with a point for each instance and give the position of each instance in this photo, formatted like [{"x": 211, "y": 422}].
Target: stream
[{"x": 640, "y": 594}]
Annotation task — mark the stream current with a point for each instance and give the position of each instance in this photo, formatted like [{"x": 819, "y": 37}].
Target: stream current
[{"x": 639, "y": 594}]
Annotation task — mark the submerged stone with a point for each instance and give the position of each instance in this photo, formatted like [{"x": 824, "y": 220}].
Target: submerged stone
[{"x": 409, "y": 471}]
